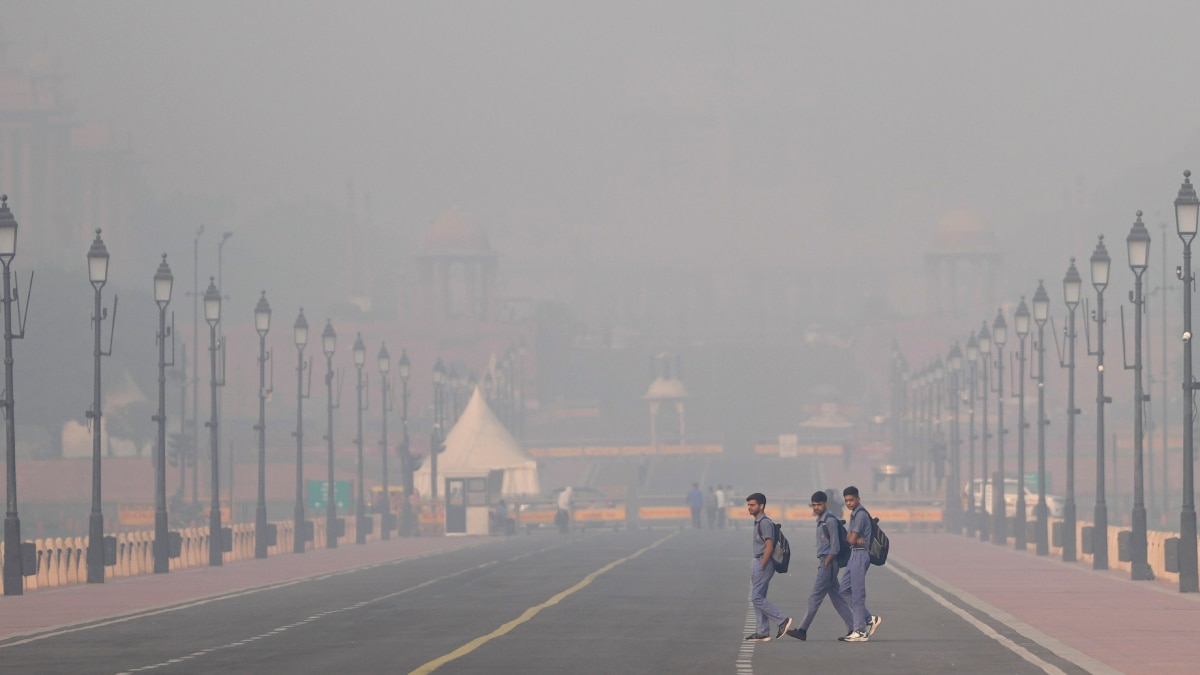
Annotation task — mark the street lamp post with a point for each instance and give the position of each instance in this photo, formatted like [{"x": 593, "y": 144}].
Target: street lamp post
[
  {"x": 360, "y": 506},
  {"x": 999, "y": 515},
  {"x": 13, "y": 581},
  {"x": 262, "y": 324},
  {"x": 300, "y": 334},
  {"x": 435, "y": 435},
  {"x": 98, "y": 275},
  {"x": 1187, "y": 212},
  {"x": 1137, "y": 245},
  {"x": 163, "y": 281},
  {"x": 212, "y": 314},
  {"x": 408, "y": 523},
  {"x": 328, "y": 344},
  {"x": 1072, "y": 290},
  {"x": 984, "y": 339},
  {"x": 384, "y": 361},
  {"x": 1041, "y": 313},
  {"x": 972, "y": 355},
  {"x": 953, "y": 502},
  {"x": 1100, "y": 265},
  {"x": 1021, "y": 325}
]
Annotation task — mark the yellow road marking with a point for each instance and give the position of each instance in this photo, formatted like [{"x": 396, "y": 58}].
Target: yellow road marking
[{"x": 527, "y": 614}]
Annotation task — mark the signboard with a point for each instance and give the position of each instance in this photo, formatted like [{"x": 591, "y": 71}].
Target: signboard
[
  {"x": 787, "y": 445},
  {"x": 318, "y": 489}
]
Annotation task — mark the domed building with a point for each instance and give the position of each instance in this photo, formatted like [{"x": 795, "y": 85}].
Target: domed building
[
  {"x": 962, "y": 265},
  {"x": 457, "y": 268}
]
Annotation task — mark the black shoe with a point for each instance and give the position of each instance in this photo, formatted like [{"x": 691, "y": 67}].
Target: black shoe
[
  {"x": 783, "y": 627},
  {"x": 758, "y": 637},
  {"x": 798, "y": 633}
]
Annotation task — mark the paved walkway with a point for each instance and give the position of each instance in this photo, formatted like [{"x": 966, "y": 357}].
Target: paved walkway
[
  {"x": 1132, "y": 627},
  {"x": 39, "y": 610}
]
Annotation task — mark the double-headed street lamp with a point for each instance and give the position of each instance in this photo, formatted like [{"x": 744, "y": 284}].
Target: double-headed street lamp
[
  {"x": 385, "y": 365},
  {"x": 999, "y": 517},
  {"x": 212, "y": 314},
  {"x": 14, "y": 584},
  {"x": 972, "y": 354},
  {"x": 98, "y": 275},
  {"x": 1072, "y": 291},
  {"x": 408, "y": 522},
  {"x": 1021, "y": 326},
  {"x": 262, "y": 324},
  {"x": 328, "y": 344},
  {"x": 163, "y": 281},
  {"x": 953, "y": 501},
  {"x": 1187, "y": 215},
  {"x": 1041, "y": 313},
  {"x": 1137, "y": 245},
  {"x": 1100, "y": 266},
  {"x": 984, "y": 338},
  {"x": 360, "y": 505},
  {"x": 300, "y": 334}
]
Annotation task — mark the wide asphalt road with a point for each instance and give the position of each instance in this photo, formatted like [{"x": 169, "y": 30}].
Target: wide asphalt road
[{"x": 598, "y": 602}]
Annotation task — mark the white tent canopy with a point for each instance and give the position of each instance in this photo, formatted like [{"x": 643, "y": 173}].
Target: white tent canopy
[{"x": 477, "y": 445}]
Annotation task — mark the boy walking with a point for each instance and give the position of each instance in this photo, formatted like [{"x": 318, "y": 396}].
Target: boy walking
[
  {"x": 854, "y": 581},
  {"x": 761, "y": 571},
  {"x": 826, "y": 583}
]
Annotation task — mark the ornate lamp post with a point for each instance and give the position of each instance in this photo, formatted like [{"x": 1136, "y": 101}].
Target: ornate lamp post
[
  {"x": 953, "y": 515},
  {"x": 984, "y": 338},
  {"x": 1072, "y": 290},
  {"x": 163, "y": 281},
  {"x": 98, "y": 275},
  {"x": 1187, "y": 212},
  {"x": 1100, "y": 266},
  {"x": 360, "y": 506},
  {"x": 1041, "y": 313},
  {"x": 1137, "y": 245},
  {"x": 212, "y": 314},
  {"x": 408, "y": 522},
  {"x": 385, "y": 364},
  {"x": 328, "y": 344},
  {"x": 1021, "y": 325},
  {"x": 13, "y": 582},
  {"x": 300, "y": 334},
  {"x": 262, "y": 324},
  {"x": 999, "y": 515},
  {"x": 439, "y": 385},
  {"x": 972, "y": 355}
]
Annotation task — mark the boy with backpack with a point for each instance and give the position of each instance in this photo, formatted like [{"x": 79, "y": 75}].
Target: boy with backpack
[
  {"x": 761, "y": 571},
  {"x": 854, "y": 581},
  {"x": 832, "y": 553}
]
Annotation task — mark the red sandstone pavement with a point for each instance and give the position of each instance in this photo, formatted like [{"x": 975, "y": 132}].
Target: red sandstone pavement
[
  {"x": 1134, "y": 627},
  {"x": 38, "y": 610}
]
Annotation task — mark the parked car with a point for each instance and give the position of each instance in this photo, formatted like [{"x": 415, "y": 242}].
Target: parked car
[{"x": 1054, "y": 503}]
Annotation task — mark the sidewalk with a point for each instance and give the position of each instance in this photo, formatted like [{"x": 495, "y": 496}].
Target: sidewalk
[
  {"x": 39, "y": 610},
  {"x": 1134, "y": 627}
]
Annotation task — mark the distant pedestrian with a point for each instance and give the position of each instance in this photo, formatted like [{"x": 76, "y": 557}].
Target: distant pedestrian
[
  {"x": 826, "y": 583},
  {"x": 761, "y": 571},
  {"x": 721, "y": 505},
  {"x": 710, "y": 507},
  {"x": 563, "y": 516},
  {"x": 854, "y": 581},
  {"x": 695, "y": 500}
]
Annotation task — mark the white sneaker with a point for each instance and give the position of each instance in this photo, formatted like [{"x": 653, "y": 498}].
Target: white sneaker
[
  {"x": 856, "y": 636},
  {"x": 873, "y": 624}
]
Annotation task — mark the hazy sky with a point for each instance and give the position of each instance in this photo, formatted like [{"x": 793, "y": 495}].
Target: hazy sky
[{"x": 761, "y": 130}]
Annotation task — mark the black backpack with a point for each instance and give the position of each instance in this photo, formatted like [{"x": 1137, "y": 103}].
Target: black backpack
[
  {"x": 843, "y": 556},
  {"x": 877, "y": 549},
  {"x": 781, "y": 552}
]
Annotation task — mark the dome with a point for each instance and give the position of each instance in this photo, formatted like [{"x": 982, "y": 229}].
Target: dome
[
  {"x": 455, "y": 232},
  {"x": 962, "y": 231}
]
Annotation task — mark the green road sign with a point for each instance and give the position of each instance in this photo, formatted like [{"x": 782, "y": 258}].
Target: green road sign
[{"x": 318, "y": 489}]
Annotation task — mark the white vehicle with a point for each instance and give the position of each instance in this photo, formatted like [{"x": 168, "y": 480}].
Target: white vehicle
[{"x": 1054, "y": 503}]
